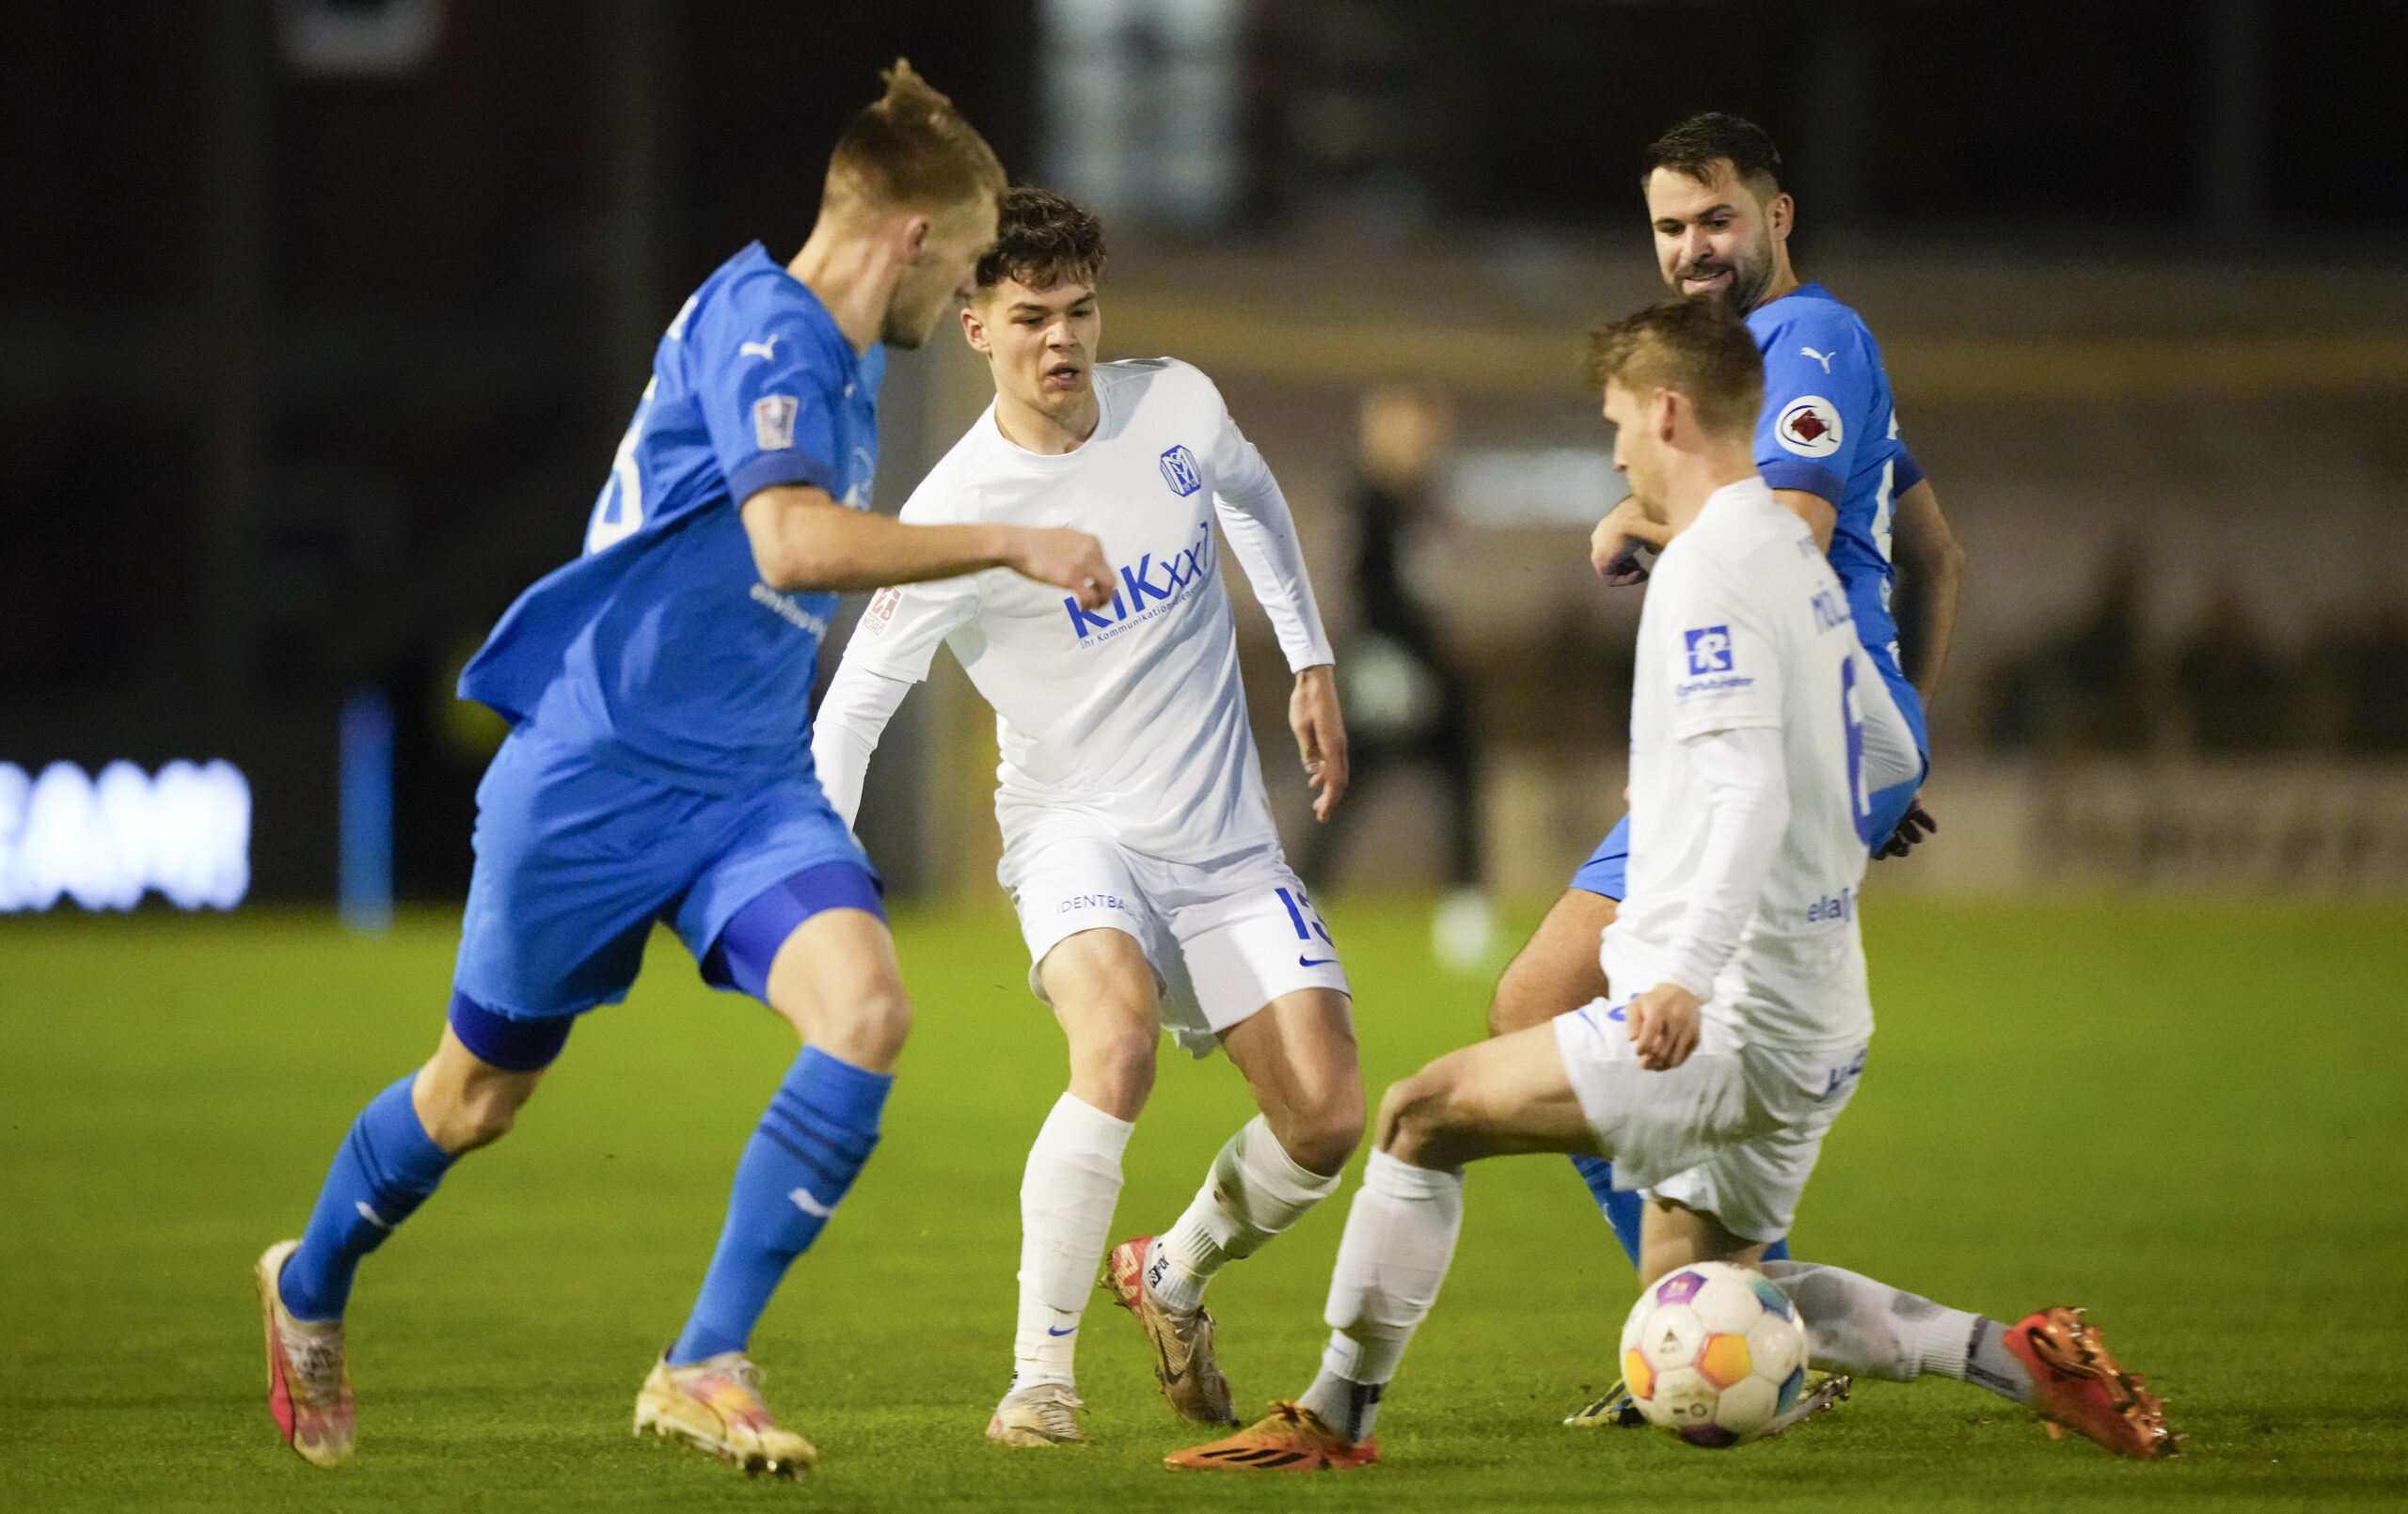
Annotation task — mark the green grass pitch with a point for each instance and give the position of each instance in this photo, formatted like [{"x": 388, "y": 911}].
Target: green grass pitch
[{"x": 2189, "y": 1117}]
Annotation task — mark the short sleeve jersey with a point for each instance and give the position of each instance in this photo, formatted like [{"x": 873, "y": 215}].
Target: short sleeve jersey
[
  {"x": 1829, "y": 428},
  {"x": 1127, "y": 723},
  {"x": 660, "y": 651},
  {"x": 1746, "y": 625}
]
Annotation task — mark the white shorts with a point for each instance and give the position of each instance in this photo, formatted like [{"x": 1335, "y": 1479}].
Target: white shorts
[
  {"x": 1733, "y": 1132},
  {"x": 1224, "y": 937}
]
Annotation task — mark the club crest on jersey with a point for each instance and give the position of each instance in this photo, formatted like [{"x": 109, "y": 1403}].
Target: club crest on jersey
[
  {"x": 773, "y": 422},
  {"x": 1709, "y": 650},
  {"x": 1179, "y": 471},
  {"x": 1810, "y": 426}
]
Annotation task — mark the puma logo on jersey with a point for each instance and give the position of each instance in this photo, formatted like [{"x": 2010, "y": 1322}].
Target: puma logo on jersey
[
  {"x": 766, "y": 349},
  {"x": 1824, "y": 358}
]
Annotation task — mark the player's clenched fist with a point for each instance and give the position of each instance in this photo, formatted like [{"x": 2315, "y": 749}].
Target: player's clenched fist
[
  {"x": 1065, "y": 559},
  {"x": 1663, "y": 1026},
  {"x": 1615, "y": 546}
]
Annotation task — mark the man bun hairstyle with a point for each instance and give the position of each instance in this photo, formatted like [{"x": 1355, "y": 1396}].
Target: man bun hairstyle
[
  {"x": 910, "y": 150},
  {"x": 1695, "y": 147},
  {"x": 1042, "y": 241},
  {"x": 1693, "y": 347}
]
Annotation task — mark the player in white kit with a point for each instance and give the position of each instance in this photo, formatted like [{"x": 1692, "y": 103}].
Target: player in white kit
[
  {"x": 1760, "y": 729},
  {"x": 1138, "y": 844}
]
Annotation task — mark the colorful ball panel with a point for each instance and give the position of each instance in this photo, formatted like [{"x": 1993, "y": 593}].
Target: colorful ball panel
[
  {"x": 1637, "y": 1374},
  {"x": 1724, "y": 1360}
]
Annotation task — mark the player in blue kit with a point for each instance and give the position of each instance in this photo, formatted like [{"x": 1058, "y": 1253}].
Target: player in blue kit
[
  {"x": 658, "y": 769},
  {"x": 1827, "y": 441}
]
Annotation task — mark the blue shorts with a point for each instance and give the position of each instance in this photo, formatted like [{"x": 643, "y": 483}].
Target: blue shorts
[
  {"x": 576, "y": 860},
  {"x": 1605, "y": 871}
]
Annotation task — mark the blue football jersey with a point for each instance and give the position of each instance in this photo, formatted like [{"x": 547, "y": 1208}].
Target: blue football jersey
[
  {"x": 660, "y": 651},
  {"x": 1829, "y": 429}
]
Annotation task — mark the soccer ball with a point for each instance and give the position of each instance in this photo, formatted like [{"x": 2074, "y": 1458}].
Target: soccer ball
[{"x": 1713, "y": 1352}]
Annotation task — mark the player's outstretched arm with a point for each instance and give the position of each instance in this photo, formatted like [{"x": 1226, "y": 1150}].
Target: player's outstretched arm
[
  {"x": 1931, "y": 572},
  {"x": 802, "y": 539}
]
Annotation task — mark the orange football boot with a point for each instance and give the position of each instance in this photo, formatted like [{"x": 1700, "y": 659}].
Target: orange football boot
[
  {"x": 1293, "y": 1439},
  {"x": 2077, "y": 1385}
]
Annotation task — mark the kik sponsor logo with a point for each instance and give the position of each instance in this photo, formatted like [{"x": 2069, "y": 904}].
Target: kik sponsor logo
[{"x": 1150, "y": 588}]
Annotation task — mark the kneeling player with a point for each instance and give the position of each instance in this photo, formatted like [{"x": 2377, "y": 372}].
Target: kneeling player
[
  {"x": 1759, "y": 731},
  {"x": 1138, "y": 846}
]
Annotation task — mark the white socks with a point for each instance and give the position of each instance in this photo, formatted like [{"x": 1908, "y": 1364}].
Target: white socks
[
  {"x": 1066, "y": 1193},
  {"x": 1857, "y": 1325},
  {"x": 1399, "y": 1239},
  {"x": 1254, "y": 1191}
]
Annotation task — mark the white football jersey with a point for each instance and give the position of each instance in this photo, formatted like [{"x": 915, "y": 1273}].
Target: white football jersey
[
  {"x": 1127, "y": 722},
  {"x": 1746, "y": 625}
]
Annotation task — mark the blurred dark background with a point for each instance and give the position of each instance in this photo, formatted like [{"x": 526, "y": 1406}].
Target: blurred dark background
[{"x": 318, "y": 320}]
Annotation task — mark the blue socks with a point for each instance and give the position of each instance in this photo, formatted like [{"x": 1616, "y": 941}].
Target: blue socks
[
  {"x": 820, "y": 1127},
  {"x": 385, "y": 1170},
  {"x": 1621, "y": 1208}
]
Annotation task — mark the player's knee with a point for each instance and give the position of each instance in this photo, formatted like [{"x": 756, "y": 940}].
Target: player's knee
[
  {"x": 1120, "y": 1064},
  {"x": 462, "y": 1117},
  {"x": 879, "y": 1020}
]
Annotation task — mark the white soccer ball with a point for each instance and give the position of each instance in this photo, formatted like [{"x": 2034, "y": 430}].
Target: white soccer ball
[{"x": 1713, "y": 1352}]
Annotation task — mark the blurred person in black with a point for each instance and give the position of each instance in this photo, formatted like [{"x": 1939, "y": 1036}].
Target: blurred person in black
[{"x": 1405, "y": 700}]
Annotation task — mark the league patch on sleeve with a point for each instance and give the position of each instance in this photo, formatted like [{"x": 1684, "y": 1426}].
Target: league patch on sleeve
[
  {"x": 1709, "y": 650},
  {"x": 773, "y": 420},
  {"x": 1810, "y": 426},
  {"x": 880, "y": 613}
]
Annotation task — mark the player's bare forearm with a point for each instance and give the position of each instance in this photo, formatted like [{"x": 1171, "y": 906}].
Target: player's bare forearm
[
  {"x": 1821, "y": 516},
  {"x": 1931, "y": 574},
  {"x": 1321, "y": 736},
  {"x": 804, "y": 540}
]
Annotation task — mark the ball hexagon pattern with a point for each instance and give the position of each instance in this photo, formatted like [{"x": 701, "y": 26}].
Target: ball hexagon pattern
[{"x": 1714, "y": 1353}]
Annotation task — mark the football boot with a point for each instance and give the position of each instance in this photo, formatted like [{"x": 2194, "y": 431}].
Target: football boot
[
  {"x": 716, "y": 1406},
  {"x": 308, "y": 1388},
  {"x": 2076, "y": 1385},
  {"x": 1042, "y": 1414},
  {"x": 1182, "y": 1341},
  {"x": 1292, "y": 1439}
]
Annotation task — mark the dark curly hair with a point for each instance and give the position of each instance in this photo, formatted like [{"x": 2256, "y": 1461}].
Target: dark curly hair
[
  {"x": 1043, "y": 241},
  {"x": 1692, "y": 147}
]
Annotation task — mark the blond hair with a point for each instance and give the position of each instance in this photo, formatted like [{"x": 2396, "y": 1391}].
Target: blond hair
[{"x": 911, "y": 149}]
